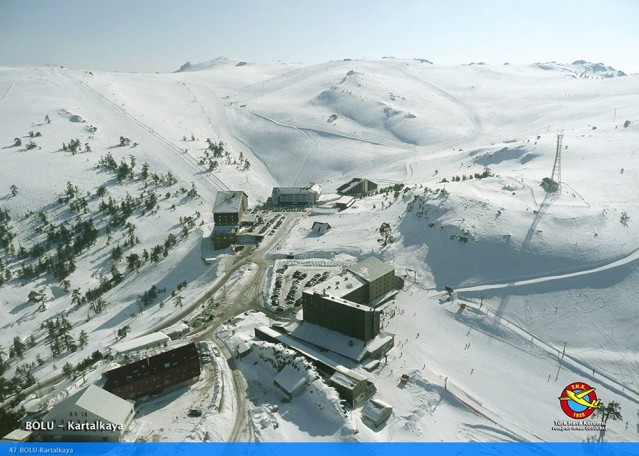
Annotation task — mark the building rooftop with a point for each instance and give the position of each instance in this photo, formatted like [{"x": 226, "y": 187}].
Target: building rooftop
[
  {"x": 371, "y": 269},
  {"x": 97, "y": 401},
  {"x": 347, "y": 378},
  {"x": 228, "y": 201},
  {"x": 374, "y": 409},
  {"x": 290, "y": 379},
  {"x": 17, "y": 435},
  {"x": 141, "y": 343},
  {"x": 349, "y": 185},
  {"x": 345, "y": 200},
  {"x": 223, "y": 229},
  {"x": 339, "y": 285},
  {"x": 249, "y": 218},
  {"x": 312, "y": 187}
]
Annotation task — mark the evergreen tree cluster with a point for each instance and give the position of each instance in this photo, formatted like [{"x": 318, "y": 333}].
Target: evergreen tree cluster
[
  {"x": 74, "y": 146},
  {"x": 58, "y": 336},
  {"x": 149, "y": 296},
  {"x": 386, "y": 232}
]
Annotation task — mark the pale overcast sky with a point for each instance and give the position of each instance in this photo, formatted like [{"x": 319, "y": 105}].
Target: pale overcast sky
[{"x": 154, "y": 35}]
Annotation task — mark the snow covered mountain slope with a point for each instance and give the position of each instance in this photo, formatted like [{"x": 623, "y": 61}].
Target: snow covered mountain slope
[{"x": 461, "y": 149}]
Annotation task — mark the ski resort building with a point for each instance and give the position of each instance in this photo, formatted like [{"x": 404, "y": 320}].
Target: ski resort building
[
  {"x": 357, "y": 187},
  {"x": 350, "y": 385},
  {"x": 155, "y": 374},
  {"x": 89, "y": 415},
  {"x": 296, "y": 196},
  {"x": 341, "y": 315},
  {"x": 229, "y": 208},
  {"x": 224, "y": 236},
  {"x": 342, "y": 303},
  {"x": 229, "y": 213}
]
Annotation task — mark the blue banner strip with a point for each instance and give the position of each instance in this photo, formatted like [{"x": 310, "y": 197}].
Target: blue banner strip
[{"x": 320, "y": 449}]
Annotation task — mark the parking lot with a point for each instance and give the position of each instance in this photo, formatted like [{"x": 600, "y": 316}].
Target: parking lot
[{"x": 289, "y": 281}]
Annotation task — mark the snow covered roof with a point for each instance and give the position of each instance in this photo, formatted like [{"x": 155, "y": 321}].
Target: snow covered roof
[
  {"x": 349, "y": 185},
  {"x": 339, "y": 285},
  {"x": 140, "y": 343},
  {"x": 374, "y": 410},
  {"x": 17, "y": 435},
  {"x": 108, "y": 407},
  {"x": 347, "y": 200},
  {"x": 339, "y": 343},
  {"x": 347, "y": 378},
  {"x": 249, "y": 218},
  {"x": 310, "y": 188},
  {"x": 371, "y": 269},
  {"x": 290, "y": 379},
  {"x": 176, "y": 329},
  {"x": 228, "y": 201},
  {"x": 224, "y": 229}
]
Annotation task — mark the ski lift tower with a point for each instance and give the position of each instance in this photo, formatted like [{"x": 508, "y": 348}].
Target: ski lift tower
[{"x": 553, "y": 184}]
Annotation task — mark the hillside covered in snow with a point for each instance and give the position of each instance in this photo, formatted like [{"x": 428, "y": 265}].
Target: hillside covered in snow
[{"x": 107, "y": 182}]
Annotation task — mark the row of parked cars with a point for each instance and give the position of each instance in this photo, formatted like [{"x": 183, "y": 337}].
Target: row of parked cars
[
  {"x": 206, "y": 351},
  {"x": 317, "y": 278},
  {"x": 275, "y": 222}
]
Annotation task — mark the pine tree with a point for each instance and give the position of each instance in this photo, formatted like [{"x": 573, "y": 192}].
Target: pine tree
[
  {"x": 83, "y": 339},
  {"x": 18, "y": 347}
]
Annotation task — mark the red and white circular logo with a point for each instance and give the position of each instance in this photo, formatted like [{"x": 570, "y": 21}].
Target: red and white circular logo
[{"x": 578, "y": 400}]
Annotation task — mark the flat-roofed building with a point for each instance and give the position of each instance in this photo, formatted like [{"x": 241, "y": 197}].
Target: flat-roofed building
[
  {"x": 341, "y": 303},
  {"x": 229, "y": 207},
  {"x": 224, "y": 236},
  {"x": 346, "y": 317},
  {"x": 379, "y": 276},
  {"x": 155, "y": 374},
  {"x": 296, "y": 196}
]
